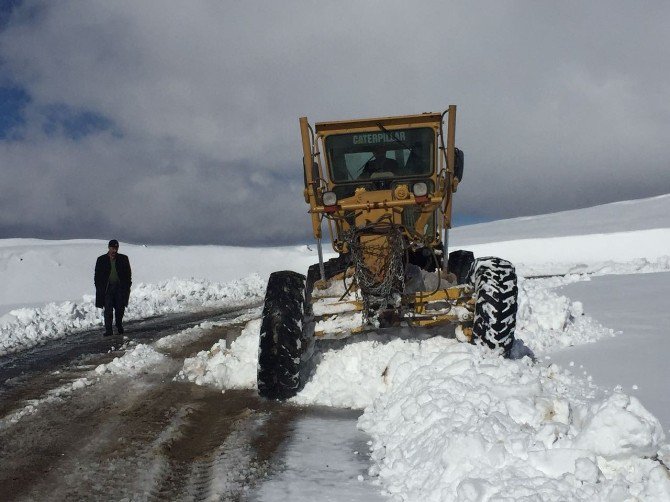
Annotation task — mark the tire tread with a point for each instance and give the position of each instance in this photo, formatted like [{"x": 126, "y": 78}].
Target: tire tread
[
  {"x": 495, "y": 283},
  {"x": 280, "y": 341}
]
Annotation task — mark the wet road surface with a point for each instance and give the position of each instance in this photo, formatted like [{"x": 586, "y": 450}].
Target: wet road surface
[{"x": 149, "y": 436}]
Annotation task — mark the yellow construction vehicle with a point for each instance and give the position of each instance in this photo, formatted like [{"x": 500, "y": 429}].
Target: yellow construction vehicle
[{"x": 385, "y": 187}]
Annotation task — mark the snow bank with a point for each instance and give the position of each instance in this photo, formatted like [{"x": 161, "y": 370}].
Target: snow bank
[
  {"x": 350, "y": 377},
  {"x": 459, "y": 423},
  {"x": 547, "y": 321},
  {"x": 26, "y": 327},
  {"x": 453, "y": 421},
  {"x": 639, "y": 214},
  {"x": 531, "y": 254},
  {"x": 635, "y": 266},
  {"x": 37, "y": 271}
]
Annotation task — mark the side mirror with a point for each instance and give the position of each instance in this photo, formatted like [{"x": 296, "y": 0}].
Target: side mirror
[
  {"x": 458, "y": 168},
  {"x": 315, "y": 175},
  {"x": 315, "y": 172}
]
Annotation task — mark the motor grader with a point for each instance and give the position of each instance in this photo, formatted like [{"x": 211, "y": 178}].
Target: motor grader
[{"x": 384, "y": 187}]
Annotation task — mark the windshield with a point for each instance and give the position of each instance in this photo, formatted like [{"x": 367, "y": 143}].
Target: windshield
[{"x": 382, "y": 154}]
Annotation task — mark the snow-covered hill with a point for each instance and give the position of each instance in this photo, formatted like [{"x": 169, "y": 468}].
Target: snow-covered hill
[
  {"x": 448, "y": 421},
  {"x": 616, "y": 217},
  {"x": 37, "y": 271},
  {"x": 574, "y": 241}
]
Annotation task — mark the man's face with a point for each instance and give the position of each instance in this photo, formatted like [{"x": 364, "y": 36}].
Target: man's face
[
  {"x": 113, "y": 251},
  {"x": 379, "y": 153}
]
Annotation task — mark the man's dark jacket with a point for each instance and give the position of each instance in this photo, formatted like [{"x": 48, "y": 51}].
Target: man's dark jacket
[{"x": 103, "y": 267}]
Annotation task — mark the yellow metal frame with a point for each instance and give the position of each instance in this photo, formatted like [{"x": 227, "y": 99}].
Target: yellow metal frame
[
  {"x": 373, "y": 205},
  {"x": 451, "y": 304},
  {"x": 455, "y": 296}
]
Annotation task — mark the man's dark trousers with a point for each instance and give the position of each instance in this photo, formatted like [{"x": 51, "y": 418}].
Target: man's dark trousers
[{"x": 114, "y": 300}]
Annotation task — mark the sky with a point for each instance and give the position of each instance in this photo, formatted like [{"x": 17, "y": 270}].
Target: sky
[{"x": 177, "y": 122}]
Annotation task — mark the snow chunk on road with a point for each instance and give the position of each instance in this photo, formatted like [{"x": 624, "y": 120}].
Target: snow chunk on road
[
  {"x": 134, "y": 362},
  {"x": 460, "y": 423},
  {"x": 226, "y": 368},
  {"x": 191, "y": 334}
]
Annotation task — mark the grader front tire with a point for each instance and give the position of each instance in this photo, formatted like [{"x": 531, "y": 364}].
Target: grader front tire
[{"x": 280, "y": 343}]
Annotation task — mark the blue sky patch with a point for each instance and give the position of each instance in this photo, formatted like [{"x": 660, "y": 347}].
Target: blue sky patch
[
  {"x": 13, "y": 100},
  {"x": 6, "y": 9},
  {"x": 72, "y": 123}
]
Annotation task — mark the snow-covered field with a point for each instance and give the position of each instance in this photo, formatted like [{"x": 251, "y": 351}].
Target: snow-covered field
[
  {"x": 448, "y": 421},
  {"x": 47, "y": 288}
]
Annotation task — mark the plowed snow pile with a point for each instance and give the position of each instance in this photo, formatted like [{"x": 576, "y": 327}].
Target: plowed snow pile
[
  {"x": 458, "y": 423},
  {"x": 452, "y": 421}
]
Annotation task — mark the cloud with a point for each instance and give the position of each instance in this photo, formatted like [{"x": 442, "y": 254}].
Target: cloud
[{"x": 177, "y": 121}]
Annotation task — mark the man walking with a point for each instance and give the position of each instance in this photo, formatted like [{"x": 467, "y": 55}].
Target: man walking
[{"x": 112, "y": 281}]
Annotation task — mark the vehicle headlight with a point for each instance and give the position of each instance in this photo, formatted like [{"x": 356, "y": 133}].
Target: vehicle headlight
[
  {"x": 329, "y": 198},
  {"x": 420, "y": 189}
]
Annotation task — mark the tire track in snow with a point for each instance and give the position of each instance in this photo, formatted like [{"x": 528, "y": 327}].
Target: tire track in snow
[{"x": 132, "y": 437}]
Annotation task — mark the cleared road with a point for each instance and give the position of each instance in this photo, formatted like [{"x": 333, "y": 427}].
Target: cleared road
[{"x": 149, "y": 437}]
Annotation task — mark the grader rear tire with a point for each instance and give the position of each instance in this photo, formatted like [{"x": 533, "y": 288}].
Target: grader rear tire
[
  {"x": 494, "y": 280},
  {"x": 331, "y": 267},
  {"x": 280, "y": 344},
  {"x": 460, "y": 263}
]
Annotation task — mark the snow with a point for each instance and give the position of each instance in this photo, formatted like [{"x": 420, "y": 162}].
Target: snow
[
  {"x": 628, "y": 215},
  {"x": 444, "y": 416},
  {"x": 232, "y": 368},
  {"x": 570, "y": 254},
  {"x": 23, "y": 328},
  {"x": 636, "y": 359},
  {"x": 548, "y": 321},
  {"x": 462, "y": 424},
  {"x": 447, "y": 420},
  {"x": 191, "y": 334},
  {"x": 36, "y": 272},
  {"x": 33, "y": 405},
  {"x": 134, "y": 362}
]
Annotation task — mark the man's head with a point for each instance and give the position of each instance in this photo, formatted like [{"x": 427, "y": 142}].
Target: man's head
[
  {"x": 379, "y": 152},
  {"x": 113, "y": 247}
]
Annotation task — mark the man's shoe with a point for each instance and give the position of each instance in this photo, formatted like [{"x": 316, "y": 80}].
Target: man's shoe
[
  {"x": 120, "y": 330},
  {"x": 108, "y": 333}
]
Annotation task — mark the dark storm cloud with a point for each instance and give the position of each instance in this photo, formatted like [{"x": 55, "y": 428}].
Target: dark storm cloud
[{"x": 177, "y": 122}]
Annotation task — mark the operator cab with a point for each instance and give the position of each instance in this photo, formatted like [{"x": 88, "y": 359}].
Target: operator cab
[
  {"x": 368, "y": 175},
  {"x": 376, "y": 159}
]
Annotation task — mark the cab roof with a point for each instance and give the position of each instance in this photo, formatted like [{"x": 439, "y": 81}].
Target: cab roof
[{"x": 428, "y": 119}]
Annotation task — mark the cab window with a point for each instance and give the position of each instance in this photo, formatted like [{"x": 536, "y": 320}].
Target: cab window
[{"x": 380, "y": 154}]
